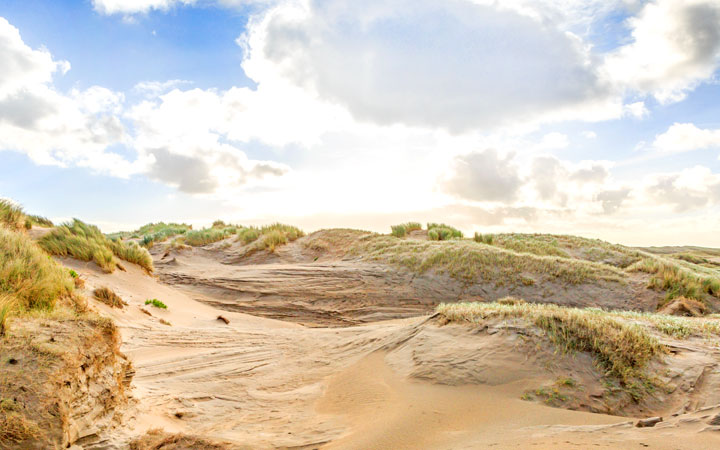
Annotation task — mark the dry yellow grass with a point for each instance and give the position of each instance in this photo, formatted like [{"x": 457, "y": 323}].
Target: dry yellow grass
[
  {"x": 157, "y": 439},
  {"x": 622, "y": 348}
]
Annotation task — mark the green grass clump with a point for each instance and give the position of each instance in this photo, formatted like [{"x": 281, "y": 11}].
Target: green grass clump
[
  {"x": 29, "y": 274},
  {"x": 269, "y": 237},
  {"x": 442, "y": 232},
  {"x": 204, "y": 237},
  {"x": 156, "y": 303},
  {"x": 467, "y": 261},
  {"x": 677, "y": 281},
  {"x": 248, "y": 234},
  {"x": 39, "y": 221},
  {"x": 161, "y": 229},
  {"x": 404, "y": 228},
  {"x": 291, "y": 232},
  {"x": 273, "y": 239},
  {"x": 87, "y": 243},
  {"x": 484, "y": 238},
  {"x": 622, "y": 349}
]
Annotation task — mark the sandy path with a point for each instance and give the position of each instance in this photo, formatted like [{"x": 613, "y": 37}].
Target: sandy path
[{"x": 263, "y": 383}]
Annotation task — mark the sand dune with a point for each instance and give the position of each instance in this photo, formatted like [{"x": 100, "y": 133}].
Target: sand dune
[{"x": 407, "y": 383}]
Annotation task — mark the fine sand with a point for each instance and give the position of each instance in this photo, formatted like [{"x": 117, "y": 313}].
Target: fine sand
[{"x": 263, "y": 383}]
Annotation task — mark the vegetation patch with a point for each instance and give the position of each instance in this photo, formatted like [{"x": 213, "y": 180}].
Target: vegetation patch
[
  {"x": 206, "y": 236},
  {"x": 110, "y": 298},
  {"x": 29, "y": 274},
  {"x": 677, "y": 281},
  {"x": 269, "y": 237},
  {"x": 87, "y": 243},
  {"x": 156, "y": 439},
  {"x": 467, "y": 261},
  {"x": 156, "y": 303},
  {"x": 404, "y": 228},
  {"x": 442, "y": 232},
  {"x": 488, "y": 239},
  {"x": 621, "y": 349},
  {"x": 12, "y": 215}
]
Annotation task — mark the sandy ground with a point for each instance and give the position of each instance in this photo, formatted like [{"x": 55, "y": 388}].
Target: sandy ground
[{"x": 263, "y": 383}]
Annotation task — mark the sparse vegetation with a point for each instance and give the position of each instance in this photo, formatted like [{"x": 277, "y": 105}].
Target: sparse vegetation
[
  {"x": 206, "y": 236},
  {"x": 269, "y": 237},
  {"x": 156, "y": 303},
  {"x": 109, "y": 297},
  {"x": 442, "y": 232},
  {"x": 7, "y": 303},
  {"x": 404, "y": 228},
  {"x": 622, "y": 349},
  {"x": 465, "y": 260},
  {"x": 484, "y": 238},
  {"x": 87, "y": 243},
  {"x": 677, "y": 281},
  {"x": 15, "y": 427}
]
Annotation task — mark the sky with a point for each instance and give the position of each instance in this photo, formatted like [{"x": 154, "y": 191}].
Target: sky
[{"x": 598, "y": 118}]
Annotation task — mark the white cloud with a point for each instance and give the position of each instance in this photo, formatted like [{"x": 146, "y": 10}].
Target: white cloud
[
  {"x": 682, "y": 137},
  {"x": 52, "y": 128},
  {"x": 136, "y": 6},
  {"x": 689, "y": 189},
  {"x": 156, "y": 88},
  {"x": 589, "y": 134},
  {"x": 424, "y": 63},
  {"x": 675, "y": 46}
]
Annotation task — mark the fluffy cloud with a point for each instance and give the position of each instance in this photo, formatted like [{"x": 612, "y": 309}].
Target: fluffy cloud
[
  {"x": 178, "y": 138},
  {"x": 52, "y": 128},
  {"x": 542, "y": 181},
  {"x": 675, "y": 45},
  {"x": 681, "y": 137},
  {"x": 424, "y": 63},
  {"x": 686, "y": 190}
]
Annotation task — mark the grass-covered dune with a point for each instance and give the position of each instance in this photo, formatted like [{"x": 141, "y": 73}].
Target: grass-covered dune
[{"x": 87, "y": 243}]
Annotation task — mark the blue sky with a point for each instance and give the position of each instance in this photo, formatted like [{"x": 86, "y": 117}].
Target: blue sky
[{"x": 599, "y": 118}]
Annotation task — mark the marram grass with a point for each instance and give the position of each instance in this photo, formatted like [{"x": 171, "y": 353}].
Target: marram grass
[{"x": 623, "y": 349}]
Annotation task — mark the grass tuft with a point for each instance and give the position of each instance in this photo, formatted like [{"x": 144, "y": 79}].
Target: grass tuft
[
  {"x": 29, "y": 274},
  {"x": 12, "y": 215},
  {"x": 442, "y": 232},
  {"x": 110, "y": 298},
  {"x": 484, "y": 238},
  {"x": 156, "y": 303},
  {"x": 404, "y": 228}
]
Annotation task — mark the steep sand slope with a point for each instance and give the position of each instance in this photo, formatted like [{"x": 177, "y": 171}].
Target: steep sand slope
[{"x": 407, "y": 383}]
